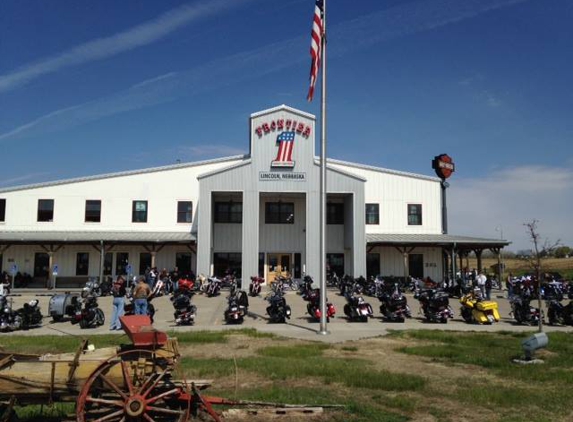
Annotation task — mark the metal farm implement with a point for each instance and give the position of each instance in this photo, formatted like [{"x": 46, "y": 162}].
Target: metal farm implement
[{"x": 114, "y": 384}]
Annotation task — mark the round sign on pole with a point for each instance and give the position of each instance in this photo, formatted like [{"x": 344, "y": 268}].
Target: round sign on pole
[{"x": 443, "y": 166}]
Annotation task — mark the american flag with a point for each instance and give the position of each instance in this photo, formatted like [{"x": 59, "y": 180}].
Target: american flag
[{"x": 317, "y": 36}]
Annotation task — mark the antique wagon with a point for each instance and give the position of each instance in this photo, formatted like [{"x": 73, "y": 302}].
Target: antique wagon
[{"x": 134, "y": 382}]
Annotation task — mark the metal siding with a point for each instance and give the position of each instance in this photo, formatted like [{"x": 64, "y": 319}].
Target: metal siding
[{"x": 392, "y": 261}]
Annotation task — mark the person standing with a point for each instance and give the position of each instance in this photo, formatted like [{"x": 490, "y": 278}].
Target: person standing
[
  {"x": 141, "y": 295},
  {"x": 118, "y": 291},
  {"x": 480, "y": 282}
]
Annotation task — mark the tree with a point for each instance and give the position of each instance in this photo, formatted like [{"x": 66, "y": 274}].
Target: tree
[
  {"x": 535, "y": 259},
  {"x": 563, "y": 252}
]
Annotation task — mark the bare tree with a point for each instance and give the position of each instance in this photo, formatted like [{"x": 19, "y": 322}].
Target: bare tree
[{"x": 535, "y": 259}]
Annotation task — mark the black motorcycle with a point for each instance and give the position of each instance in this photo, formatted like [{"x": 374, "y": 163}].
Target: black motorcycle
[
  {"x": 185, "y": 311},
  {"x": 9, "y": 319},
  {"x": 559, "y": 314},
  {"x": 30, "y": 315},
  {"x": 521, "y": 308},
  {"x": 98, "y": 288},
  {"x": 394, "y": 305},
  {"x": 435, "y": 305},
  {"x": 237, "y": 307},
  {"x": 356, "y": 308},
  {"x": 278, "y": 310},
  {"x": 129, "y": 308},
  {"x": 90, "y": 315}
]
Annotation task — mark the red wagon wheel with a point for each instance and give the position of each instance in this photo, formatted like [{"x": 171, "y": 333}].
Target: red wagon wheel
[{"x": 133, "y": 386}]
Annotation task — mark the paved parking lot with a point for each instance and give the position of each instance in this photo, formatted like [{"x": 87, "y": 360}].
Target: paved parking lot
[{"x": 301, "y": 326}]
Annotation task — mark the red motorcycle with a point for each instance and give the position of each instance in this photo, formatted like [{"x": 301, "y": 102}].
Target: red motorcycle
[
  {"x": 313, "y": 306},
  {"x": 255, "y": 286}
]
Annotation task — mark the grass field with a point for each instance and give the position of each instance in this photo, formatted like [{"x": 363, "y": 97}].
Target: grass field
[
  {"x": 418, "y": 375},
  {"x": 564, "y": 266}
]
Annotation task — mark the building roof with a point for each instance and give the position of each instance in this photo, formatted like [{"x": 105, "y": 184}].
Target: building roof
[
  {"x": 124, "y": 173},
  {"x": 36, "y": 236},
  {"x": 388, "y": 239}
]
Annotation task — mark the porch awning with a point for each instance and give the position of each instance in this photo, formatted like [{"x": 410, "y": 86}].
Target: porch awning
[
  {"x": 443, "y": 240},
  {"x": 31, "y": 237}
]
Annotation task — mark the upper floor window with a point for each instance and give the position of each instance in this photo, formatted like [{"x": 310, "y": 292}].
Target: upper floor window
[
  {"x": 414, "y": 214},
  {"x": 2, "y": 209},
  {"x": 45, "y": 210},
  {"x": 372, "y": 213},
  {"x": 334, "y": 213},
  {"x": 93, "y": 211},
  {"x": 228, "y": 212},
  {"x": 139, "y": 212},
  {"x": 279, "y": 212},
  {"x": 184, "y": 211}
]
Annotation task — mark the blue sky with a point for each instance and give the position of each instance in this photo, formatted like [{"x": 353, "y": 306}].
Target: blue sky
[{"x": 94, "y": 87}]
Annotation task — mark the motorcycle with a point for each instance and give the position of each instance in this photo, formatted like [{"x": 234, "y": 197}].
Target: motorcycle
[
  {"x": 476, "y": 310},
  {"x": 98, "y": 289},
  {"x": 278, "y": 310},
  {"x": 357, "y": 309},
  {"x": 185, "y": 311},
  {"x": 255, "y": 286},
  {"x": 30, "y": 314},
  {"x": 559, "y": 314},
  {"x": 435, "y": 305},
  {"x": 90, "y": 315},
  {"x": 313, "y": 306},
  {"x": 64, "y": 306},
  {"x": 237, "y": 308},
  {"x": 212, "y": 287},
  {"x": 129, "y": 308},
  {"x": 521, "y": 309},
  {"x": 394, "y": 305},
  {"x": 9, "y": 320}
]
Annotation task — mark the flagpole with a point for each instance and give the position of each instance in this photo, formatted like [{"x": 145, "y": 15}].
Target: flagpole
[{"x": 322, "y": 261}]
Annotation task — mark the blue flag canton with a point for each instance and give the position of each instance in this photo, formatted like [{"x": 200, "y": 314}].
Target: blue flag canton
[{"x": 286, "y": 136}]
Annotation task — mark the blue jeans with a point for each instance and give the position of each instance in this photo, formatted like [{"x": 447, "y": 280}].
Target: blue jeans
[
  {"x": 118, "y": 309},
  {"x": 140, "y": 306}
]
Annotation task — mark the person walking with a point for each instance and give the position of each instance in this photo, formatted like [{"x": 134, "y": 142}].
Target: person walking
[
  {"x": 141, "y": 295},
  {"x": 118, "y": 291}
]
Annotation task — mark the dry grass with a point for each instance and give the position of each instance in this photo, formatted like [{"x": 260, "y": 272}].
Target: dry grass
[{"x": 521, "y": 266}]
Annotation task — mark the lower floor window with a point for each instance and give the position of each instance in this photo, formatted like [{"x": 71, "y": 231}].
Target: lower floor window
[
  {"x": 227, "y": 262},
  {"x": 335, "y": 263},
  {"x": 82, "y": 263}
]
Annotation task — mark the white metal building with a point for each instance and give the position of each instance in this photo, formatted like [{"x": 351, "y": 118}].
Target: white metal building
[{"x": 254, "y": 214}]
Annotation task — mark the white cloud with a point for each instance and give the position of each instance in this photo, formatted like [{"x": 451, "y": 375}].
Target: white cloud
[
  {"x": 377, "y": 27},
  {"x": 209, "y": 151},
  {"x": 508, "y": 199},
  {"x": 101, "y": 48}
]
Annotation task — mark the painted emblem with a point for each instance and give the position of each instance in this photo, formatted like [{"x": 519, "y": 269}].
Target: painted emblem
[
  {"x": 285, "y": 140},
  {"x": 443, "y": 165}
]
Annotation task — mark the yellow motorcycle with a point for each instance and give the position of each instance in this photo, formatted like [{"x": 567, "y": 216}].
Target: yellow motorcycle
[{"x": 475, "y": 310}]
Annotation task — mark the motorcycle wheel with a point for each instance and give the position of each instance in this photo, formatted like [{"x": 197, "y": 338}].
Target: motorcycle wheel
[
  {"x": 99, "y": 317},
  {"x": 363, "y": 318},
  {"x": 84, "y": 323}
]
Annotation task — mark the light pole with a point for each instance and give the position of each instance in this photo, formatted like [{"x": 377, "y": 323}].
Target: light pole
[{"x": 500, "y": 258}]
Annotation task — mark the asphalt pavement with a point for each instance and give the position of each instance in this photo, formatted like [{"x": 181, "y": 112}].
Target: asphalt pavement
[{"x": 300, "y": 326}]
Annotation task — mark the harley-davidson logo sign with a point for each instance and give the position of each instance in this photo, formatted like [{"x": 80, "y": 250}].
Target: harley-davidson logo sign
[
  {"x": 284, "y": 154},
  {"x": 443, "y": 166}
]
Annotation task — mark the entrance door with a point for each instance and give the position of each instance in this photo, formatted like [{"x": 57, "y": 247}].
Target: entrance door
[{"x": 278, "y": 264}]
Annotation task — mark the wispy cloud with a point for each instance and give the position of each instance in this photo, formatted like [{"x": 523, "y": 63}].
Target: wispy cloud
[
  {"x": 377, "y": 27},
  {"x": 24, "y": 178},
  {"x": 511, "y": 197},
  {"x": 101, "y": 48},
  {"x": 209, "y": 151}
]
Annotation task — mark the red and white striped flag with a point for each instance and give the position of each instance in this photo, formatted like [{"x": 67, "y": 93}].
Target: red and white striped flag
[{"x": 316, "y": 45}]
